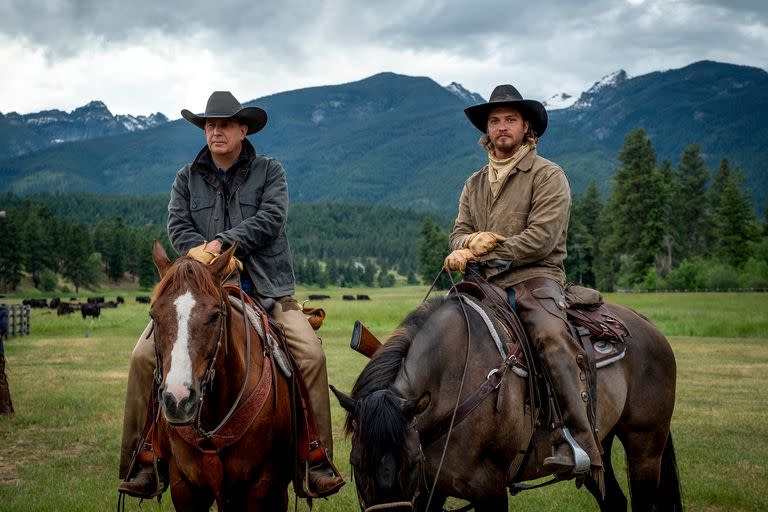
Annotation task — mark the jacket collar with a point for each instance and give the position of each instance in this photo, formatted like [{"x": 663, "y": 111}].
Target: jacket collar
[{"x": 203, "y": 163}]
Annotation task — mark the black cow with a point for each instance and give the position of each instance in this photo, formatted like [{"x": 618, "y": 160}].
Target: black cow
[
  {"x": 65, "y": 308},
  {"x": 363, "y": 297},
  {"x": 95, "y": 300},
  {"x": 110, "y": 304},
  {"x": 143, "y": 299},
  {"x": 318, "y": 297},
  {"x": 348, "y": 297},
  {"x": 35, "y": 303},
  {"x": 90, "y": 310},
  {"x": 55, "y": 303},
  {"x": 120, "y": 300}
]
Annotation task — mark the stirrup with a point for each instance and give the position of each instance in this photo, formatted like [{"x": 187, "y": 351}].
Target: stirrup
[{"x": 581, "y": 461}]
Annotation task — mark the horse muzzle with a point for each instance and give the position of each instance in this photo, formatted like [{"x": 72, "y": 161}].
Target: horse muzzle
[{"x": 179, "y": 411}]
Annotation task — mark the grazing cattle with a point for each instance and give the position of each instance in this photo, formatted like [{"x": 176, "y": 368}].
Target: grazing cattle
[
  {"x": 348, "y": 297},
  {"x": 120, "y": 300},
  {"x": 143, "y": 299},
  {"x": 110, "y": 304},
  {"x": 363, "y": 297},
  {"x": 90, "y": 310},
  {"x": 35, "y": 303},
  {"x": 95, "y": 300},
  {"x": 65, "y": 308},
  {"x": 318, "y": 297},
  {"x": 55, "y": 303}
]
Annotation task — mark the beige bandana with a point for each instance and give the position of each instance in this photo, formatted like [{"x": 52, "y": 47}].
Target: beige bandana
[{"x": 499, "y": 169}]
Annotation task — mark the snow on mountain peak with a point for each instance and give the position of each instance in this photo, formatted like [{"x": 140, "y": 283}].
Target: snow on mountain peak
[{"x": 468, "y": 97}]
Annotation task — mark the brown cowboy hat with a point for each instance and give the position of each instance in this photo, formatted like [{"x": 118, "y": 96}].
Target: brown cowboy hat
[
  {"x": 507, "y": 96},
  {"x": 223, "y": 105}
]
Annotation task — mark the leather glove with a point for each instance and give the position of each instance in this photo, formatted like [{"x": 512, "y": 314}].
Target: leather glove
[
  {"x": 483, "y": 242},
  {"x": 234, "y": 264},
  {"x": 458, "y": 259},
  {"x": 200, "y": 254}
]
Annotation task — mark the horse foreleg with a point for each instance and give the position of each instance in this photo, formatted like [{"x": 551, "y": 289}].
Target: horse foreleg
[
  {"x": 614, "y": 499},
  {"x": 188, "y": 498}
]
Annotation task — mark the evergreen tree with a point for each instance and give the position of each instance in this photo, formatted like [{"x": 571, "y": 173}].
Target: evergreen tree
[
  {"x": 584, "y": 234},
  {"x": 432, "y": 252},
  {"x": 664, "y": 260},
  {"x": 690, "y": 208},
  {"x": 79, "y": 263},
  {"x": 10, "y": 262},
  {"x": 734, "y": 224},
  {"x": 37, "y": 242},
  {"x": 635, "y": 212}
]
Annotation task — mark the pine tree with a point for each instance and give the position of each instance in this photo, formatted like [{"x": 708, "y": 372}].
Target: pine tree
[
  {"x": 734, "y": 224},
  {"x": 584, "y": 234},
  {"x": 635, "y": 213},
  {"x": 690, "y": 208},
  {"x": 432, "y": 252},
  {"x": 10, "y": 263},
  {"x": 79, "y": 263}
]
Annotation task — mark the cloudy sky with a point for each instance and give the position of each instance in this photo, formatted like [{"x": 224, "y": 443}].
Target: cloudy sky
[{"x": 144, "y": 56}]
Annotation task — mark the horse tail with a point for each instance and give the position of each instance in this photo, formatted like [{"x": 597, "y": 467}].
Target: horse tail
[{"x": 669, "y": 495}]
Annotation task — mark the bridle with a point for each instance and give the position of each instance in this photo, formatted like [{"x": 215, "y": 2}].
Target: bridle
[{"x": 210, "y": 372}]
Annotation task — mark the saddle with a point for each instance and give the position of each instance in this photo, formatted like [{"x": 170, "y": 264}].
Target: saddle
[{"x": 602, "y": 335}]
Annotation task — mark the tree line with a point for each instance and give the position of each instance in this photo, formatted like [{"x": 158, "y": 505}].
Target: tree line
[
  {"x": 662, "y": 226},
  {"x": 74, "y": 238}
]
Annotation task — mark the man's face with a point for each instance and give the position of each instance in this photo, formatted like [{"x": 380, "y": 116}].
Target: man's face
[
  {"x": 506, "y": 128},
  {"x": 224, "y": 136}
]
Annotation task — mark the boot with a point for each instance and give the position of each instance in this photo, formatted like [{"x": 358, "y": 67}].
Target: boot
[
  {"x": 144, "y": 484},
  {"x": 324, "y": 480},
  {"x": 561, "y": 461}
]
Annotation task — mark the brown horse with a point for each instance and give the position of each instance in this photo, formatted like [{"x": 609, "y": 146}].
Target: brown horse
[
  {"x": 444, "y": 350},
  {"x": 225, "y": 419}
]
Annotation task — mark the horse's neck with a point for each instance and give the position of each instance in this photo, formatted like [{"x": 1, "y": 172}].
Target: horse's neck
[{"x": 230, "y": 369}]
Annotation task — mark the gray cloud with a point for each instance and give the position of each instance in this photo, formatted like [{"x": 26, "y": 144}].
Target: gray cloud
[{"x": 544, "y": 46}]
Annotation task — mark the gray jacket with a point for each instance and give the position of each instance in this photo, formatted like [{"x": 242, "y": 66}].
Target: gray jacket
[{"x": 257, "y": 207}]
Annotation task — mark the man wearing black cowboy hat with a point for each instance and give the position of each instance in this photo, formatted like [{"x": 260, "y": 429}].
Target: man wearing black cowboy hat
[
  {"x": 513, "y": 221},
  {"x": 228, "y": 195}
]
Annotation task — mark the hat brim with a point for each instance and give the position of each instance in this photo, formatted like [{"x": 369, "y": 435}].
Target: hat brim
[
  {"x": 253, "y": 117},
  {"x": 533, "y": 112}
]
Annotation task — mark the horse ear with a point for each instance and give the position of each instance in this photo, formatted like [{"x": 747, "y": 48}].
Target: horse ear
[
  {"x": 346, "y": 402},
  {"x": 160, "y": 258},
  {"x": 221, "y": 262},
  {"x": 416, "y": 407}
]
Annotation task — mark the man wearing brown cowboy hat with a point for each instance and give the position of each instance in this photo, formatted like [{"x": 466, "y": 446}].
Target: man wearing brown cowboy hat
[
  {"x": 513, "y": 220},
  {"x": 228, "y": 195}
]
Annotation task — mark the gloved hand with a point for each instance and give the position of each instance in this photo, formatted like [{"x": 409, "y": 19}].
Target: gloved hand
[
  {"x": 201, "y": 254},
  {"x": 458, "y": 259},
  {"x": 483, "y": 242}
]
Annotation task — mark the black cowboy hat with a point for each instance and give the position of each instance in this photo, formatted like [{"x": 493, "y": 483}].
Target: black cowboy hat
[
  {"x": 507, "y": 96},
  {"x": 222, "y": 105}
]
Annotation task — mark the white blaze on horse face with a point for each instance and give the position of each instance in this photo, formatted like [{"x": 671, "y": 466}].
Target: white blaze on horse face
[{"x": 179, "y": 378}]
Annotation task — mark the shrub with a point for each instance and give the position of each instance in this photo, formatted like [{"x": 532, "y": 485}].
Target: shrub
[
  {"x": 755, "y": 274},
  {"x": 721, "y": 276},
  {"x": 48, "y": 281},
  {"x": 687, "y": 276}
]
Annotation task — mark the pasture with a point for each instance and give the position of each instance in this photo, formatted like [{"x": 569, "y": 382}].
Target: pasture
[{"x": 67, "y": 381}]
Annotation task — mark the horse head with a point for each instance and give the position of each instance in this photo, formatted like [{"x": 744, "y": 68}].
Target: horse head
[
  {"x": 386, "y": 457},
  {"x": 189, "y": 312}
]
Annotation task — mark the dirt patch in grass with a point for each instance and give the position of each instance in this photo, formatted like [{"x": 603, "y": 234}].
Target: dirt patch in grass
[{"x": 27, "y": 451}]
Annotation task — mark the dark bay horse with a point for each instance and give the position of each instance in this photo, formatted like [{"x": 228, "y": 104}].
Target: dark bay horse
[
  {"x": 442, "y": 350},
  {"x": 225, "y": 419}
]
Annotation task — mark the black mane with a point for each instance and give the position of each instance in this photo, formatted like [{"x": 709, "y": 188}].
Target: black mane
[{"x": 382, "y": 369}]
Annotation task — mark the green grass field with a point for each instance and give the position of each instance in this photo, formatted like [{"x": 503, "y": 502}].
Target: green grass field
[{"x": 67, "y": 380}]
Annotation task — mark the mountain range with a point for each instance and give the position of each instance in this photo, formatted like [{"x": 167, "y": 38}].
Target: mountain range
[{"x": 400, "y": 140}]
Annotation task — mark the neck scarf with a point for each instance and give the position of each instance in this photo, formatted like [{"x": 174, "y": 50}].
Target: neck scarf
[{"x": 500, "y": 169}]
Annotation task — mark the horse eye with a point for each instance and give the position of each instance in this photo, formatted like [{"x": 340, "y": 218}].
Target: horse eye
[{"x": 214, "y": 318}]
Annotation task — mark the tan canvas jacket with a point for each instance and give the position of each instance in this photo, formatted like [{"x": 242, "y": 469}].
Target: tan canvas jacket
[{"x": 531, "y": 210}]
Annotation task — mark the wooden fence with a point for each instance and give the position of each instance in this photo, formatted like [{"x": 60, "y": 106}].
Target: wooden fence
[{"x": 18, "y": 319}]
